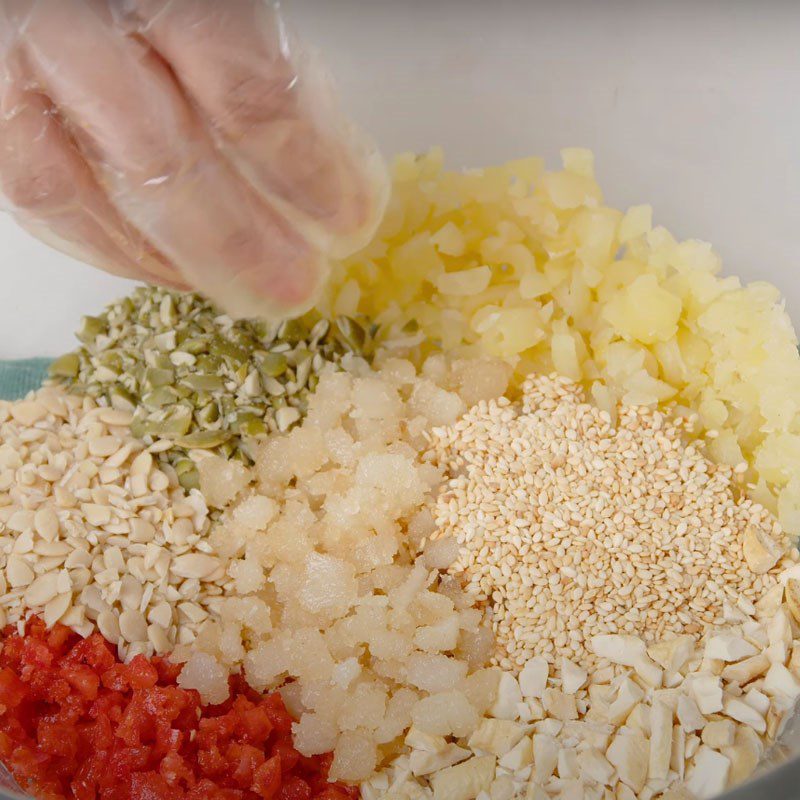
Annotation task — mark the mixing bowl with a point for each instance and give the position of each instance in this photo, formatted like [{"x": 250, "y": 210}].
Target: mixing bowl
[{"x": 689, "y": 107}]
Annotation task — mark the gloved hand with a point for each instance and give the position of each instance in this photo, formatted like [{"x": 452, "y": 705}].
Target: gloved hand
[{"x": 185, "y": 142}]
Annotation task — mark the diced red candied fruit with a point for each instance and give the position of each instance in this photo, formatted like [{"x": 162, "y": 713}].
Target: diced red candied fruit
[{"x": 77, "y": 723}]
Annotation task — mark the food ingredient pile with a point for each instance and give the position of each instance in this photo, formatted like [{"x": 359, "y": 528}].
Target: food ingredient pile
[
  {"x": 78, "y": 721},
  {"x": 191, "y": 374},
  {"x": 509, "y": 516},
  {"x": 573, "y": 526}
]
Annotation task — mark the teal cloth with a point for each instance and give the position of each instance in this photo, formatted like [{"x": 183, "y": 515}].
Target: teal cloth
[{"x": 18, "y": 377}]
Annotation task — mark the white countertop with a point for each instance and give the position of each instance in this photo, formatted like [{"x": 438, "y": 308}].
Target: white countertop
[{"x": 691, "y": 107}]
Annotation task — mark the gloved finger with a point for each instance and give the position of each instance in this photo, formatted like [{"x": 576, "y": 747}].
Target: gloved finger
[
  {"x": 159, "y": 166},
  {"x": 271, "y": 111},
  {"x": 54, "y": 196}
]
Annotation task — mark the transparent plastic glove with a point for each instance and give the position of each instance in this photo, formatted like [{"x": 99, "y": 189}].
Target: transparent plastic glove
[{"x": 186, "y": 142}]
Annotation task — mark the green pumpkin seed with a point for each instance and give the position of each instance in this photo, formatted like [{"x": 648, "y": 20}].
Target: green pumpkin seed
[
  {"x": 66, "y": 366},
  {"x": 350, "y": 333},
  {"x": 273, "y": 364},
  {"x": 189, "y": 480},
  {"x": 91, "y": 328},
  {"x": 205, "y": 440},
  {"x": 193, "y": 375},
  {"x": 155, "y": 377},
  {"x": 160, "y": 397}
]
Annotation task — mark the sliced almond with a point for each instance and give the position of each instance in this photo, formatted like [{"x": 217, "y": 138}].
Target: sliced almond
[
  {"x": 45, "y": 521},
  {"x": 779, "y": 631},
  {"x": 466, "y": 779},
  {"x": 776, "y": 721},
  {"x": 519, "y": 756},
  {"x": 56, "y": 608},
  {"x": 559, "y": 705},
  {"x": 18, "y": 572},
  {"x": 133, "y": 626},
  {"x": 757, "y": 700},
  {"x": 142, "y": 464},
  {"x": 794, "y": 661},
  {"x": 158, "y": 638},
  {"x": 195, "y": 565},
  {"x": 42, "y": 590},
  {"x": 108, "y": 625}
]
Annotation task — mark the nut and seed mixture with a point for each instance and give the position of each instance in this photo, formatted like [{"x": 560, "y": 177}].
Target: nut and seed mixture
[
  {"x": 191, "y": 374},
  {"x": 94, "y": 533},
  {"x": 679, "y": 719},
  {"x": 570, "y": 526}
]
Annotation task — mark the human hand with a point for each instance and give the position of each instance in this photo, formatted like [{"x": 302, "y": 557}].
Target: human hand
[{"x": 184, "y": 142}]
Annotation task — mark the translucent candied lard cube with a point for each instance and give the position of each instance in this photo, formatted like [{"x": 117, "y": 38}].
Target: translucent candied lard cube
[
  {"x": 255, "y": 512},
  {"x": 476, "y": 646},
  {"x": 434, "y": 672},
  {"x": 231, "y": 648},
  {"x": 373, "y": 398},
  {"x": 328, "y": 585},
  {"x": 343, "y": 448},
  {"x": 420, "y": 525},
  {"x": 390, "y": 645},
  {"x": 439, "y": 637},
  {"x": 429, "y": 608},
  {"x": 445, "y": 713},
  {"x": 221, "y": 480},
  {"x": 248, "y": 575},
  {"x": 299, "y": 453},
  {"x": 398, "y": 371},
  {"x": 376, "y": 550},
  {"x": 287, "y": 541},
  {"x": 415, "y": 580},
  {"x": 265, "y": 664},
  {"x": 205, "y": 674},
  {"x": 365, "y": 708},
  {"x": 441, "y": 553},
  {"x": 314, "y": 734},
  {"x": 394, "y": 475},
  {"x": 354, "y": 757},
  {"x": 438, "y": 406},
  {"x": 398, "y": 715},
  {"x": 309, "y": 657},
  {"x": 481, "y": 379},
  {"x": 481, "y": 688},
  {"x": 332, "y": 400},
  {"x": 253, "y": 612}
]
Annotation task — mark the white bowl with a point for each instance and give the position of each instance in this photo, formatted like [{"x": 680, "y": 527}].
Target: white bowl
[{"x": 691, "y": 107}]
